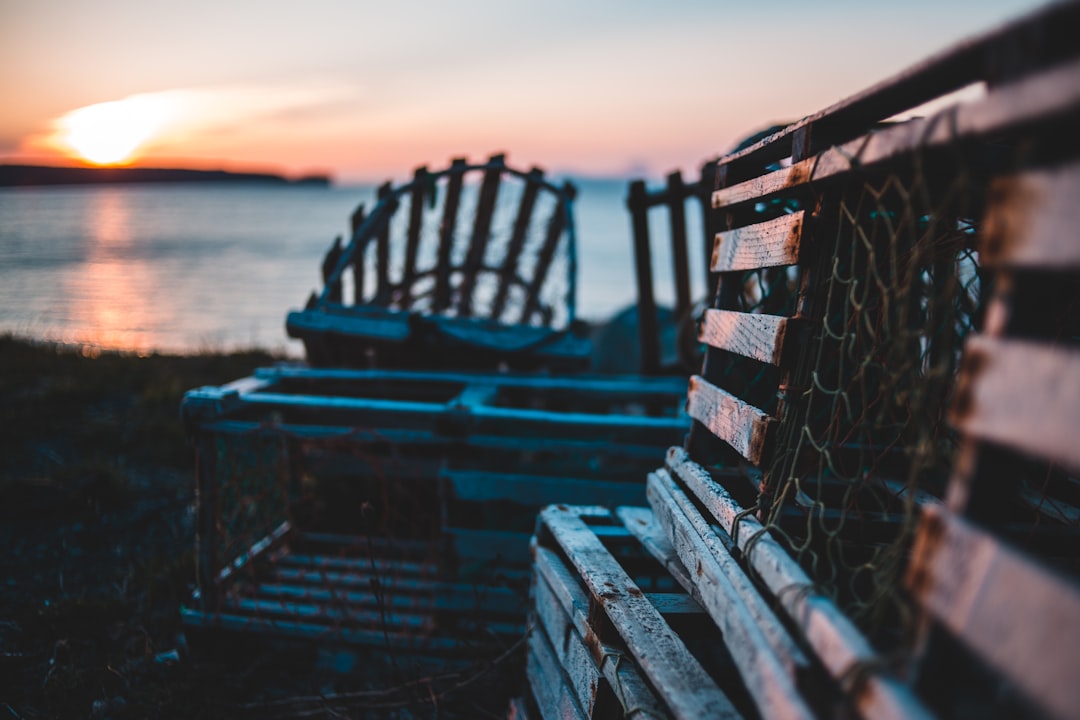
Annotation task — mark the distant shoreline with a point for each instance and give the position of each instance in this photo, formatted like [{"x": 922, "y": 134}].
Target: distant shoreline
[{"x": 39, "y": 175}]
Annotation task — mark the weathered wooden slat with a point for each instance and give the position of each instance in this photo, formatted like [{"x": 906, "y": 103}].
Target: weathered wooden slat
[
  {"x": 579, "y": 670},
  {"x": 481, "y": 232},
  {"x": 1051, "y": 94},
  {"x": 740, "y": 425},
  {"x": 680, "y": 263},
  {"x": 553, "y": 693},
  {"x": 422, "y": 595},
  {"x": 454, "y": 179},
  {"x": 537, "y": 490},
  {"x": 1020, "y": 618},
  {"x": 624, "y": 388},
  {"x": 760, "y": 337},
  {"x": 382, "y": 247},
  {"x": 508, "y": 270},
  {"x": 378, "y": 637},
  {"x": 842, "y": 650},
  {"x": 330, "y": 262},
  {"x": 772, "y": 243},
  {"x": 637, "y": 202},
  {"x": 1031, "y": 221},
  {"x": 559, "y": 222},
  {"x": 1020, "y": 394},
  {"x": 675, "y": 674},
  {"x": 630, "y": 688},
  {"x": 356, "y": 221},
  {"x": 767, "y": 657},
  {"x": 412, "y": 237}
]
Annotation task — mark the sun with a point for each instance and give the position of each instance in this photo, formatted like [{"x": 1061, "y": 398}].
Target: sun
[{"x": 111, "y": 133}]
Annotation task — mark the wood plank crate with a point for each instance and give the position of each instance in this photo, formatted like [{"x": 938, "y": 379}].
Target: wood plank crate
[
  {"x": 614, "y": 633},
  {"x": 368, "y": 507},
  {"x": 858, "y": 253},
  {"x": 473, "y": 266}
]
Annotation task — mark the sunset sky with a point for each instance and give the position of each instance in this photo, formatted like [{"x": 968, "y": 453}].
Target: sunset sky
[{"x": 366, "y": 90}]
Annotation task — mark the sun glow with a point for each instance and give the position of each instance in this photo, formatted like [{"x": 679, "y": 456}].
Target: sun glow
[{"x": 111, "y": 133}]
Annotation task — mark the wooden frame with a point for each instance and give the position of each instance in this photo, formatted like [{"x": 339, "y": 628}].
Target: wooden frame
[{"x": 449, "y": 298}]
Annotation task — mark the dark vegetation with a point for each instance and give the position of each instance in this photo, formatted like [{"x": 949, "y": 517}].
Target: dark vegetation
[{"x": 97, "y": 531}]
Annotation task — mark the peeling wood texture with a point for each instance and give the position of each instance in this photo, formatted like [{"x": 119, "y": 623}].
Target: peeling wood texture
[
  {"x": 678, "y": 678},
  {"x": 836, "y": 643},
  {"x": 1051, "y": 94},
  {"x": 764, "y": 653},
  {"x": 563, "y": 610},
  {"x": 1022, "y": 395},
  {"x": 1020, "y": 618},
  {"x": 760, "y": 337},
  {"x": 767, "y": 244},
  {"x": 1031, "y": 221},
  {"x": 740, "y": 425}
]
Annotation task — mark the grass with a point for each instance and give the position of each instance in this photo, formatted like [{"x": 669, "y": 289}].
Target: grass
[{"x": 96, "y": 522}]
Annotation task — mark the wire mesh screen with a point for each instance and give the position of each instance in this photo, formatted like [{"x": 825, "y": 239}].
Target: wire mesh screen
[{"x": 895, "y": 289}]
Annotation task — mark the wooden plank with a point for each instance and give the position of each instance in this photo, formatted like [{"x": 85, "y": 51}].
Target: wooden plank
[
  {"x": 331, "y": 280},
  {"x": 579, "y": 670},
  {"x": 648, "y": 328},
  {"x": 1031, "y": 221},
  {"x": 1022, "y": 395},
  {"x": 539, "y": 490},
  {"x": 393, "y": 593},
  {"x": 553, "y": 693},
  {"x": 842, "y": 650},
  {"x": 680, "y": 263},
  {"x": 1023, "y": 620},
  {"x": 356, "y": 221},
  {"x": 619, "y": 388},
  {"x": 1049, "y": 95},
  {"x": 382, "y": 245},
  {"x": 947, "y": 71},
  {"x": 675, "y": 674},
  {"x": 764, "y": 653},
  {"x": 760, "y": 337},
  {"x": 481, "y": 232},
  {"x": 508, "y": 269},
  {"x": 412, "y": 236},
  {"x": 560, "y": 222},
  {"x": 772, "y": 243},
  {"x": 455, "y": 177},
  {"x": 739, "y": 424},
  {"x": 625, "y": 679}
]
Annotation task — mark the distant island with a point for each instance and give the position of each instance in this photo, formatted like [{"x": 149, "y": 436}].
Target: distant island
[{"x": 29, "y": 175}]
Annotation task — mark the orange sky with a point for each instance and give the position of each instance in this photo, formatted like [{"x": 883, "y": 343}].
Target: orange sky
[{"x": 366, "y": 90}]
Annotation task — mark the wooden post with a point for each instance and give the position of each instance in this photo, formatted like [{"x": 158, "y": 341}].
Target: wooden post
[
  {"x": 709, "y": 222},
  {"x": 357, "y": 262},
  {"x": 676, "y": 197},
  {"x": 485, "y": 209},
  {"x": 207, "y": 505},
  {"x": 330, "y": 263},
  {"x": 455, "y": 176},
  {"x": 382, "y": 253},
  {"x": 648, "y": 331},
  {"x": 412, "y": 243},
  {"x": 508, "y": 271},
  {"x": 547, "y": 253}
]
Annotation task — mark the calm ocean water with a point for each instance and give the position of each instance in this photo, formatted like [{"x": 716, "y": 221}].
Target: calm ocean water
[{"x": 189, "y": 268}]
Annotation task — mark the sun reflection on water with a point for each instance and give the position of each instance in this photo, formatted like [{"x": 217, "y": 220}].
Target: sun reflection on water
[{"x": 110, "y": 292}]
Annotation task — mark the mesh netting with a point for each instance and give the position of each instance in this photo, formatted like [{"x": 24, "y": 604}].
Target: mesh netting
[{"x": 894, "y": 290}]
